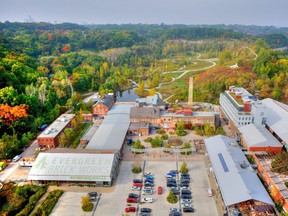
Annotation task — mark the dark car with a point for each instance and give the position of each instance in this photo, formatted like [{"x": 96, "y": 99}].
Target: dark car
[
  {"x": 145, "y": 210},
  {"x": 185, "y": 175},
  {"x": 186, "y": 196},
  {"x": 93, "y": 196},
  {"x": 173, "y": 171},
  {"x": 183, "y": 184},
  {"x": 185, "y": 181},
  {"x": 186, "y": 192},
  {"x": 137, "y": 181},
  {"x": 148, "y": 184},
  {"x": 149, "y": 180},
  {"x": 133, "y": 195},
  {"x": 176, "y": 192},
  {"x": 175, "y": 214},
  {"x": 188, "y": 209},
  {"x": 171, "y": 184}
]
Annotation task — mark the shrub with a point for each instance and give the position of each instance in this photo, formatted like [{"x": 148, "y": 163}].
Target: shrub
[
  {"x": 87, "y": 205},
  {"x": 136, "y": 170},
  {"x": 157, "y": 142},
  {"x": 286, "y": 184},
  {"x": 164, "y": 137},
  {"x": 160, "y": 131},
  {"x": 184, "y": 168},
  {"x": 148, "y": 139},
  {"x": 172, "y": 198}
]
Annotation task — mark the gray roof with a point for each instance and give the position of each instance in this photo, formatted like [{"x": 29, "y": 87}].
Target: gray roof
[
  {"x": 258, "y": 136},
  {"x": 113, "y": 129},
  {"x": 139, "y": 125},
  {"x": 57, "y": 126},
  {"x": 90, "y": 132},
  {"x": 151, "y": 101},
  {"x": 72, "y": 167},
  {"x": 106, "y": 100},
  {"x": 145, "y": 112},
  {"x": 277, "y": 117},
  {"x": 237, "y": 181}
]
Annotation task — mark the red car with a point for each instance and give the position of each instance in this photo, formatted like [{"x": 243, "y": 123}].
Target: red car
[
  {"x": 138, "y": 184},
  {"x": 159, "y": 190},
  {"x": 130, "y": 209},
  {"x": 132, "y": 200}
]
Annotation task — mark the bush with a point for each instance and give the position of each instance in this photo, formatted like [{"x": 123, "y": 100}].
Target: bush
[
  {"x": 136, "y": 170},
  {"x": 156, "y": 142},
  {"x": 148, "y": 139},
  {"x": 160, "y": 131},
  {"x": 172, "y": 198},
  {"x": 164, "y": 137},
  {"x": 87, "y": 205},
  {"x": 184, "y": 168}
]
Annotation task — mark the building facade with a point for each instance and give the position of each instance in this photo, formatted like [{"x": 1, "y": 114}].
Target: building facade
[
  {"x": 49, "y": 138},
  {"x": 102, "y": 107}
]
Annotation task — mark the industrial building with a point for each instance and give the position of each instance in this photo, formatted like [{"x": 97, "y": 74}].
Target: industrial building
[
  {"x": 49, "y": 138},
  {"x": 239, "y": 186}
]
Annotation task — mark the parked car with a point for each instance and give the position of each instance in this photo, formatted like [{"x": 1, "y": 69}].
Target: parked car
[
  {"x": 148, "y": 184},
  {"x": 145, "y": 210},
  {"x": 188, "y": 209},
  {"x": 170, "y": 184},
  {"x": 185, "y": 205},
  {"x": 132, "y": 200},
  {"x": 148, "y": 174},
  {"x": 185, "y": 201},
  {"x": 210, "y": 194},
  {"x": 174, "y": 188},
  {"x": 133, "y": 195},
  {"x": 170, "y": 174},
  {"x": 138, "y": 184},
  {"x": 147, "y": 191},
  {"x": 185, "y": 188},
  {"x": 135, "y": 188},
  {"x": 185, "y": 175},
  {"x": 174, "y": 210},
  {"x": 149, "y": 180},
  {"x": 186, "y": 196},
  {"x": 187, "y": 181},
  {"x": 130, "y": 209},
  {"x": 144, "y": 214},
  {"x": 173, "y": 171},
  {"x": 185, "y": 191},
  {"x": 148, "y": 200},
  {"x": 137, "y": 181},
  {"x": 160, "y": 190},
  {"x": 93, "y": 196},
  {"x": 175, "y": 214},
  {"x": 176, "y": 192},
  {"x": 183, "y": 184},
  {"x": 149, "y": 177}
]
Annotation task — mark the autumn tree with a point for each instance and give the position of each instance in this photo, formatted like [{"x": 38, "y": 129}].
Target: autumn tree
[{"x": 9, "y": 114}]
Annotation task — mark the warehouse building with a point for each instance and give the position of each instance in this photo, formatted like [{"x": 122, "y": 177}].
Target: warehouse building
[{"x": 241, "y": 189}]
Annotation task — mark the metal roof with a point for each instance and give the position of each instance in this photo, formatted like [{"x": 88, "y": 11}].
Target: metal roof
[
  {"x": 236, "y": 179},
  {"x": 277, "y": 117},
  {"x": 113, "y": 129},
  {"x": 72, "y": 167},
  {"x": 90, "y": 132},
  {"x": 57, "y": 126},
  {"x": 258, "y": 136}
]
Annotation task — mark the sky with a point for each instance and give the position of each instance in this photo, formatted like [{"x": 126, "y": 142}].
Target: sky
[{"x": 245, "y": 12}]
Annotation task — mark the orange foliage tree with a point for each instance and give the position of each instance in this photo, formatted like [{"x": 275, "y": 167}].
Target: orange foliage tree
[{"x": 9, "y": 114}]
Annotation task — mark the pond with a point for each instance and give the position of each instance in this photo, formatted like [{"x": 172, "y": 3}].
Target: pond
[{"x": 126, "y": 96}]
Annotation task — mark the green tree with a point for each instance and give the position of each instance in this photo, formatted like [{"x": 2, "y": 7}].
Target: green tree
[
  {"x": 172, "y": 198},
  {"x": 66, "y": 138},
  {"x": 156, "y": 142},
  {"x": 183, "y": 168},
  {"x": 180, "y": 129}
]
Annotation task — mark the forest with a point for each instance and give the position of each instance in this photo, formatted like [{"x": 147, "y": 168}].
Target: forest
[{"x": 41, "y": 64}]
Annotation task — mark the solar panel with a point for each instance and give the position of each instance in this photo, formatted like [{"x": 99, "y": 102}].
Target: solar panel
[{"x": 224, "y": 165}]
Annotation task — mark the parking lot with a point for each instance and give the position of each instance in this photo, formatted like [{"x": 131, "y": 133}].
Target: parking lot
[{"x": 113, "y": 202}]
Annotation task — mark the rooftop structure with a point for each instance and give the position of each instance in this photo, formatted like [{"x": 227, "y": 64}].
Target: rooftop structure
[
  {"x": 57, "y": 126},
  {"x": 256, "y": 138},
  {"x": 277, "y": 121},
  {"x": 145, "y": 112},
  {"x": 236, "y": 179},
  {"x": 85, "y": 167},
  {"x": 112, "y": 131},
  {"x": 151, "y": 101},
  {"x": 87, "y": 136}
]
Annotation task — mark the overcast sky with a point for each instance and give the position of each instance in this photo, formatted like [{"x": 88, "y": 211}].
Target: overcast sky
[{"x": 246, "y": 12}]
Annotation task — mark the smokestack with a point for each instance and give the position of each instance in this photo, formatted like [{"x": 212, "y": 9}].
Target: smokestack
[{"x": 190, "y": 92}]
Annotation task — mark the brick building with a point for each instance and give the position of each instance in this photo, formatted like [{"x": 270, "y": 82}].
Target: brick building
[
  {"x": 102, "y": 107},
  {"x": 49, "y": 138}
]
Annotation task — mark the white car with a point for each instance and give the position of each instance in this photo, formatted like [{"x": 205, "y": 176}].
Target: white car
[
  {"x": 186, "y": 201},
  {"x": 148, "y": 200},
  {"x": 135, "y": 188},
  {"x": 184, "y": 205},
  {"x": 174, "y": 210},
  {"x": 185, "y": 188},
  {"x": 148, "y": 173},
  {"x": 147, "y": 191}
]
